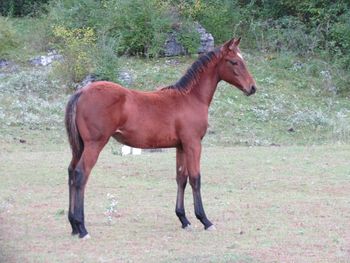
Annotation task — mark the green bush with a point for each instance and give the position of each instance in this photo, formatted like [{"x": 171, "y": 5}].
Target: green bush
[
  {"x": 219, "y": 17},
  {"x": 8, "y": 38},
  {"x": 286, "y": 34},
  {"x": 77, "y": 14},
  {"x": 105, "y": 59},
  {"x": 340, "y": 40},
  {"x": 77, "y": 46},
  {"x": 140, "y": 26},
  {"x": 22, "y": 7}
]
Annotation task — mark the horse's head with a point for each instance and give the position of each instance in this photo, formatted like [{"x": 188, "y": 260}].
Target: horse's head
[{"x": 233, "y": 69}]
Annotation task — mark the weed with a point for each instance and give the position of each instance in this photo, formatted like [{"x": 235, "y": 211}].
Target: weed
[{"x": 111, "y": 208}]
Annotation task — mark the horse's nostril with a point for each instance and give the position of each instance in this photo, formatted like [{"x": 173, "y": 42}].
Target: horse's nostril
[{"x": 253, "y": 90}]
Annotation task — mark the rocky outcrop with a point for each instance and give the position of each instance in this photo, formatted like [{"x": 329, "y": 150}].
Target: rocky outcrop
[
  {"x": 173, "y": 47},
  {"x": 207, "y": 39},
  {"x": 46, "y": 60}
]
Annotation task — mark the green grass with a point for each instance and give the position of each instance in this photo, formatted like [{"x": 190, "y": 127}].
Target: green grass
[{"x": 269, "y": 204}]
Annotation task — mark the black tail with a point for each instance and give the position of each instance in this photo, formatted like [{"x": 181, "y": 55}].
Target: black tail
[{"x": 75, "y": 141}]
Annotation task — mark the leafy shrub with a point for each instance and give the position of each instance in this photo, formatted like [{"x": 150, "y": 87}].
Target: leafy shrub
[
  {"x": 105, "y": 59},
  {"x": 340, "y": 34},
  {"x": 77, "y": 14},
  {"x": 188, "y": 36},
  {"x": 22, "y": 7},
  {"x": 8, "y": 38},
  {"x": 219, "y": 17},
  {"x": 140, "y": 26},
  {"x": 286, "y": 34},
  {"x": 76, "y": 45}
]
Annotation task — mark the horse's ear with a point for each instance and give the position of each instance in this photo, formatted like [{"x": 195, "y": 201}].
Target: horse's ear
[
  {"x": 229, "y": 45},
  {"x": 237, "y": 41}
]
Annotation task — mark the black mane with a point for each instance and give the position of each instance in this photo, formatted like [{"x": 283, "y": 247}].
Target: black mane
[{"x": 191, "y": 75}]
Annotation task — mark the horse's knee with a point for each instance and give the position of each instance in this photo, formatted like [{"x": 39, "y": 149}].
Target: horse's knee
[
  {"x": 195, "y": 182},
  {"x": 181, "y": 180},
  {"x": 78, "y": 178}
]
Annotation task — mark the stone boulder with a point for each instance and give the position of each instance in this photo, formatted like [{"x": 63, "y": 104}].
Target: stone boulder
[
  {"x": 173, "y": 47},
  {"x": 207, "y": 39},
  {"x": 46, "y": 60}
]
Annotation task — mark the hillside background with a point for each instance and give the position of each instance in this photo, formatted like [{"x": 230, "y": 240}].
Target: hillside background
[{"x": 297, "y": 51}]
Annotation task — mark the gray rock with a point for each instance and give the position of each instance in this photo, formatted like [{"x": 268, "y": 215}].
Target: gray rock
[
  {"x": 46, "y": 60},
  {"x": 173, "y": 47},
  {"x": 207, "y": 39},
  {"x": 7, "y": 66},
  {"x": 125, "y": 78},
  {"x": 4, "y": 63}
]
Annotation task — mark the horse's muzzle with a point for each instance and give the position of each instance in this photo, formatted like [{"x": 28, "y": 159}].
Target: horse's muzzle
[{"x": 252, "y": 90}]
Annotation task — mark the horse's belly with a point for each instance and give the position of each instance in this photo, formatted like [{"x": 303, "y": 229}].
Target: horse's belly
[{"x": 146, "y": 140}]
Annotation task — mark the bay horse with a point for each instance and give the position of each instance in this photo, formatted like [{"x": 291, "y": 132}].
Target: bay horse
[{"x": 174, "y": 116}]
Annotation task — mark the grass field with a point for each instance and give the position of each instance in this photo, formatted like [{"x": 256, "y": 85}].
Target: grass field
[{"x": 269, "y": 204}]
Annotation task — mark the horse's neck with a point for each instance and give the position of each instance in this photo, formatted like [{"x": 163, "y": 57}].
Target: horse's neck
[{"x": 205, "y": 87}]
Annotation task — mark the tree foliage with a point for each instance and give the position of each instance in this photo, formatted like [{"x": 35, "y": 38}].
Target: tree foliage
[{"x": 21, "y": 7}]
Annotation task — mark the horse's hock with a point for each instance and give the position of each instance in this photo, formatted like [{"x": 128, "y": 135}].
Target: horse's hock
[{"x": 173, "y": 47}]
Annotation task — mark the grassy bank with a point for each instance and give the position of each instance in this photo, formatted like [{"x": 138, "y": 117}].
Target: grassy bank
[{"x": 294, "y": 104}]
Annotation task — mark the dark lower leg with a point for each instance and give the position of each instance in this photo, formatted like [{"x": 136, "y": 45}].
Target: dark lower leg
[
  {"x": 180, "y": 209},
  {"x": 198, "y": 205},
  {"x": 78, "y": 215},
  {"x": 71, "y": 201}
]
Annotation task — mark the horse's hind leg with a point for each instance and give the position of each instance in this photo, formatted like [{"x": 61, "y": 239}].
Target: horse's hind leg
[
  {"x": 80, "y": 178},
  {"x": 72, "y": 196}
]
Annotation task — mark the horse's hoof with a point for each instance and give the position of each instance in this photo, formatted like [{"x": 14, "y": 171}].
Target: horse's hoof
[
  {"x": 86, "y": 237},
  {"x": 211, "y": 228},
  {"x": 188, "y": 228}
]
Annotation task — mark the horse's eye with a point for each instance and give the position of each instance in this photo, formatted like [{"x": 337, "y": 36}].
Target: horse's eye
[{"x": 234, "y": 63}]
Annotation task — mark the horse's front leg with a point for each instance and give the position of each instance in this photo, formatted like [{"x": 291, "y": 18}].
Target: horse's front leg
[
  {"x": 181, "y": 179},
  {"x": 192, "y": 156}
]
